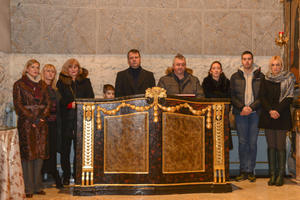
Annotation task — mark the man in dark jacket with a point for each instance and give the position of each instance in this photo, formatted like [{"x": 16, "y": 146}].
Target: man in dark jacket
[
  {"x": 245, "y": 84},
  {"x": 134, "y": 80},
  {"x": 179, "y": 79}
]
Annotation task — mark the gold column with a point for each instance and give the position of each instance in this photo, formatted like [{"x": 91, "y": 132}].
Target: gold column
[
  {"x": 87, "y": 176},
  {"x": 219, "y": 148}
]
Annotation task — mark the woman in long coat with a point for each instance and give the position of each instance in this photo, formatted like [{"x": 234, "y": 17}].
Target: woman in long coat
[
  {"x": 276, "y": 96},
  {"x": 32, "y": 105},
  {"x": 72, "y": 83},
  {"x": 54, "y": 123}
]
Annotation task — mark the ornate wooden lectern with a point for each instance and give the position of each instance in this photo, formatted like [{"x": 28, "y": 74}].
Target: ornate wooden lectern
[{"x": 152, "y": 144}]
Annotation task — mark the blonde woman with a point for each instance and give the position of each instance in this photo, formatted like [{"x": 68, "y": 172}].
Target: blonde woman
[
  {"x": 72, "y": 83},
  {"x": 276, "y": 96},
  {"x": 32, "y": 105},
  {"x": 54, "y": 123}
]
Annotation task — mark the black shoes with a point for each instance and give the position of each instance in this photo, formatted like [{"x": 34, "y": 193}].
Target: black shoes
[
  {"x": 241, "y": 177},
  {"x": 66, "y": 181},
  {"x": 42, "y": 192},
  {"x": 244, "y": 176},
  {"x": 251, "y": 177},
  {"x": 29, "y": 195}
]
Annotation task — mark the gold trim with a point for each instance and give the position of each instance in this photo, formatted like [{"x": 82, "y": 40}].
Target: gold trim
[
  {"x": 203, "y": 148},
  {"x": 157, "y": 184},
  {"x": 219, "y": 149},
  {"x": 196, "y": 102},
  {"x": 155, "y": 93},
  {"x": 147, "y": 144},
  {"x": 87, "y": 175}
]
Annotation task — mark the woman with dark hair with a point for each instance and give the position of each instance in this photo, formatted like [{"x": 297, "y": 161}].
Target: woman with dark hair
[
  {"x": 54, "y": 123},
  {"x": 72, "y": 83},
  {"x": 276, "y": 96},
  {"x": 32, "y": 105},
  {"x": 216, "y": 85}
]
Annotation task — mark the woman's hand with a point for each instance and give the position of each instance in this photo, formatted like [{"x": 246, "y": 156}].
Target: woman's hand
[{"x": 274, "y": 114}]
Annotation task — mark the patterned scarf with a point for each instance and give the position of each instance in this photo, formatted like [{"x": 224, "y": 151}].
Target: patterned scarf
[{"x": 287, "y": 82}]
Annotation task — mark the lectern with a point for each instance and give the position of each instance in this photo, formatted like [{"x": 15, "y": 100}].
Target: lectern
[{"x": 152, "y": 144}]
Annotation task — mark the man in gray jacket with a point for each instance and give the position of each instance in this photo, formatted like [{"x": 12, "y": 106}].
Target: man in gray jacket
[
  {"x": 245, "y": 84},
  {"x": 179, "y": 79}
]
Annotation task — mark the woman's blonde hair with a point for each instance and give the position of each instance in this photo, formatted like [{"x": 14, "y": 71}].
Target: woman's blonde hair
[
  {"x": 49, "y": 66},
  {"x": 69, "y": 63},
  {"x": 278, "y": 58},
  {"x": 29, "y": 63}
]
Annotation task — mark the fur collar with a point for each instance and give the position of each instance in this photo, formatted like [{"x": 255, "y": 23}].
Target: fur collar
[
  {"x": 67, "y": 80},
  {"x": 169, "y": 70}
]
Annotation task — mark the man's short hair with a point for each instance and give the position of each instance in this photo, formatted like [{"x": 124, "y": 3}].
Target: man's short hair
[
  {"x": 179, "y": 56},
  {"x": 247, "y": 52},
  {"x": 133, "y": 51},
  {"x": 107, "y": 87}
]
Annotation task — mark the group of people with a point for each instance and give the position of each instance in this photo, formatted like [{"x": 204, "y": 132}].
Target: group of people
[{"x": 46, "y": 109}]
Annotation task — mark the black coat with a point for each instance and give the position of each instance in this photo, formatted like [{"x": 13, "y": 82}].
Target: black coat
[
  {"x": 69, "y": 90},
  {"x": 216, "y": 89},
  {"x": 269, "y": 98},
  {"x": 125, "y": 84}
]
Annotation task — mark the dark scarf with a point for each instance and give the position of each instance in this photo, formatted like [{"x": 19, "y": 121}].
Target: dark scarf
[
  {"x": 135, "y": 72},
  {"x": 287, "y": 82}
]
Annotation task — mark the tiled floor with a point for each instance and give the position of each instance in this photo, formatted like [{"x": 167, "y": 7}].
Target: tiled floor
[{"x": 242, "y": 191}]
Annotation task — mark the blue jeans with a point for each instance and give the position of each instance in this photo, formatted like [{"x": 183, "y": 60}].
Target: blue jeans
[{"x": 247, "y": 130}]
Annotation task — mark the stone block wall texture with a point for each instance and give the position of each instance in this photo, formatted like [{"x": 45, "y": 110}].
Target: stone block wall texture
[
  {"x": 5, "y": 45},
  {"x": 195, "y": 27}
]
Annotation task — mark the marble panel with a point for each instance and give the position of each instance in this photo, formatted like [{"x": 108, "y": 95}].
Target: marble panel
[
  {"x": 202, "y": 4},
  {"x": 75, "y": 3},
  {"x": 108, "y": 3},
  {"x": 246, "y": 4},
  {"x": 266, "y": 26},
  {"x": 126, "y": 143},
  {"x": 26, "y": 29},
  {"x": 227, "y": 33},
  {"x": 120, "y": 30},
  {"x": 174, "y": 31},
  {"x": 273, "y": 4},
  {"x": 151, "y": 3},
  {"x": 69, "y": 30},
  {"x": 183, "y": 148}
]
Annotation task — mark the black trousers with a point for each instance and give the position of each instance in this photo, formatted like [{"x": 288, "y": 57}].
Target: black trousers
[
  {"x": 65, "y": 155},
  {"x": 50, "y": 165},
  {"x": 276, "y": 139}
]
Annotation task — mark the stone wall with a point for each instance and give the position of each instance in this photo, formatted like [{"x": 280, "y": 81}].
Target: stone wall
[
  {"x": 5, "y": 45},
  {"x": 195, "y": 27},
  {"x": 103, "y": 68}
]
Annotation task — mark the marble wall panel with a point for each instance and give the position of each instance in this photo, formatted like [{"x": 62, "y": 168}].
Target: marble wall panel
[
  {"x": 153, "y": 26},
  {"x": 120, "y": 30},
  {"x": 69, "y": 30},
  {"x": 174, "y": 31},
  {"x": 202, "y": 4},
  {"x": 227, "y": 33},
  {"x": 72, "y": 3},
  {"x": 26, "y": 29},
  {"x": 5, "y": 45},
  {"x": 266, "y": 26}
]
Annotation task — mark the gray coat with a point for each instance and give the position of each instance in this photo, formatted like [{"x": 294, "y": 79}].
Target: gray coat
[{"x": 189, "y": 85}]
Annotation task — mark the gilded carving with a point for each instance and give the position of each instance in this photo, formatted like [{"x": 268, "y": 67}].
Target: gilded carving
[
  {"x": 155, "y": 93},
  {"x": 87, "y": 145},
  {"x": 219, "y": 151}
]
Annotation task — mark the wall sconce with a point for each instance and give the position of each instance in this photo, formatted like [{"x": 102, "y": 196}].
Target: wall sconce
[{"x": 281, "y": 40}]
